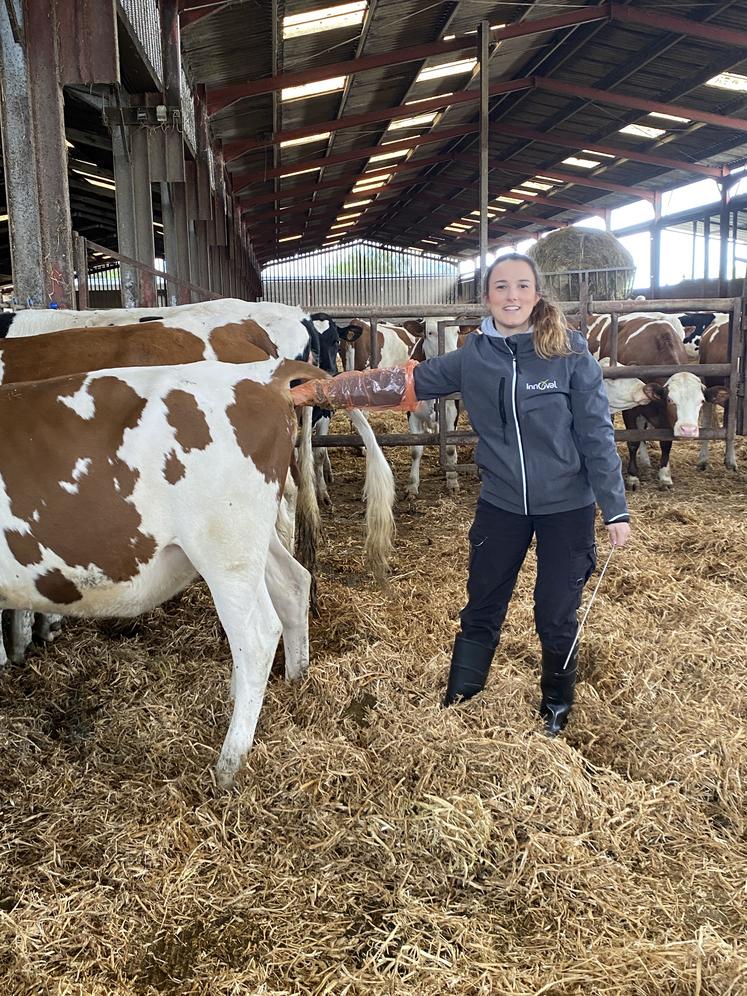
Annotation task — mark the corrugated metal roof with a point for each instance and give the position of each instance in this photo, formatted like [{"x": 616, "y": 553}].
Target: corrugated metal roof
[{"x": 234, "y": 45}]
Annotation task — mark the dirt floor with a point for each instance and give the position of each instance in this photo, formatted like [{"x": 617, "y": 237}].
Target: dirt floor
[{"x": 376, "y": 843}]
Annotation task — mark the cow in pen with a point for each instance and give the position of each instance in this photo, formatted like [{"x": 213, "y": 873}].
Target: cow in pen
[{"x": 144, "y": 479}]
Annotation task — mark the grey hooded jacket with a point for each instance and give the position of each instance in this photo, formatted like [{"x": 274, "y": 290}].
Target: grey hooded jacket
[{"x": 546, "y": 442}]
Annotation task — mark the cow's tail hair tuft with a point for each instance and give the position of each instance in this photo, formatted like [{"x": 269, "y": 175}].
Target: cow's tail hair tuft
[{"x": 379, "y": 495}]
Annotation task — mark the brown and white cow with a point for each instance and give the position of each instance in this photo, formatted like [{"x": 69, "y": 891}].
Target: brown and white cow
[
  {"x": 714, "y": 348},
  {"x": 87, "y": 349},
  {"x": 146, "y": 478},
  {"x": 677, "y": 398}
]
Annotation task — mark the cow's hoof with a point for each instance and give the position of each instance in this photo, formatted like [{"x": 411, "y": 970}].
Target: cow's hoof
[
  {"x": 452, "y": 485},
  {"x": 632, "y": 483},
  {"x": 731, "y": 466},
  {"x": 327, "y": 501},
  {"x": 665, "y": 485},
  {"x": 701, "y": 465}
]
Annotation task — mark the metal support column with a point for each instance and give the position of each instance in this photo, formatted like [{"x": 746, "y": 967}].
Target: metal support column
[
  {"x": 36, "y": 156},
  {"x": 19, "y": 165},
  {"x": 143, "y": 211},
  {"x": 176, "y": 235},
  {"x": 125, "y": 204},
  {"x": 483, "y": 55},
  {"x": 656, "y": 247},
  {"x": 724, "y": 232}
]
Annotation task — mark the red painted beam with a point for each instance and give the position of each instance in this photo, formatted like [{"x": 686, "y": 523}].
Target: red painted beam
[
  {"x": 555, "y": 202},
  {"x": 635, "y": 103},
  {"x": 302, "y": 190},
  {"x": 648, "y": 18},
  {"x": 232, "y": 150},
  {"x": 573, "y": 143},
  {"x": 243, "y": 180},
  {"x": 221, "y": 97}
]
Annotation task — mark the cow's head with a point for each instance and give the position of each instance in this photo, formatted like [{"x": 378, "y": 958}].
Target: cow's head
[
  {"x": 682, "y": 395},
  {"x": 327, "y": 335}
]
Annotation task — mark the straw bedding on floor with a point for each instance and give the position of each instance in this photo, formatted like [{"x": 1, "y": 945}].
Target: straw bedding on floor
[{"x": 375, "y": 843}]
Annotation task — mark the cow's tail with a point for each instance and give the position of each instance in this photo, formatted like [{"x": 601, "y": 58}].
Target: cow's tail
[
  {"x": 308, "y": 520},
  {"x": 379, "y": 494}
]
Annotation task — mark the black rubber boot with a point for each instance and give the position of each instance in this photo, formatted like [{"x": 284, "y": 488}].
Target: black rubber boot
[
  {"x": 470, "y": 663},
  {"x": 557, "y": 687}
]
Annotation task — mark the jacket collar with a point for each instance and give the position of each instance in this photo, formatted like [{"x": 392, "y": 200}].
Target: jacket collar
[{"x": 520, "y": 341}]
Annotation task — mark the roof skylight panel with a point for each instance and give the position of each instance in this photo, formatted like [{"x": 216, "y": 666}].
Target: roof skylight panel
[
  {"x": 343, "y": 15},
  {"x": 642, "y": 131},
  {"x": 320, "y": 137},
  {"x": 583, "y": 163},
  {"x": 390, "y": 155},
  {"x": 729, "y": 81},
  {"x": 668, "y": 117},
  {"x": 446, "y": 69},
  {"x": 313, "y": 89},
  {"x": 414, "y": 122}
]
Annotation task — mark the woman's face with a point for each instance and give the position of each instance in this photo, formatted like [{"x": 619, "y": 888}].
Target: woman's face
[{"x": 512, "y": 294}]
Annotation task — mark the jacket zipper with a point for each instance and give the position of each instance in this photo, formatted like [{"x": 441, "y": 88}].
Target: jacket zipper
[{"x": 518, "y": 432}]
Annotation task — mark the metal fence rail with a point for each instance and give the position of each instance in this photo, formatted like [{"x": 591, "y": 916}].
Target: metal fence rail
[
  {"x": 103, "y": 275},
  {"x": 733, "y": 371}
]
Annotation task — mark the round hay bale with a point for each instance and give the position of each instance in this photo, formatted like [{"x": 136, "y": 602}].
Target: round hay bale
[{"x": 561, "y": 254}]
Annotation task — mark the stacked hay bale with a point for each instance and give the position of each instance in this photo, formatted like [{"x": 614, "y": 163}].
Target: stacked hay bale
[{"x": 561, "y": 254}]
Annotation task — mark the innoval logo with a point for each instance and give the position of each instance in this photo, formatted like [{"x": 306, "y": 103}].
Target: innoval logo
[{"x": 544, "y": 385}]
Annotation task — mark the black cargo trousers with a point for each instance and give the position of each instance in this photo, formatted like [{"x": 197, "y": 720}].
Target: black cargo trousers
[{"x": 566, "y": 557}]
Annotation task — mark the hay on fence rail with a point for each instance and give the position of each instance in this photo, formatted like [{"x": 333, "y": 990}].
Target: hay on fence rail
[
  {"x": 571, "y": 249},
  {"x": 377, "y": 844}
]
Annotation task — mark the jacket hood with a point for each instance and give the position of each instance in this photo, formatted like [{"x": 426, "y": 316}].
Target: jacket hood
[{"x": 522, "y": 341}]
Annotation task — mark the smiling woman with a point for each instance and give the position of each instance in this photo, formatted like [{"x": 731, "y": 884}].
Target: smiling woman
[{"x": 546, "y": 453}]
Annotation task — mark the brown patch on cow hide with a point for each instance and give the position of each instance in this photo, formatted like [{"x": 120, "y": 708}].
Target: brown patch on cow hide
[
  {"x": 71, "y": 351},
  {"x": 188, "y": 419},
  {"x": 23, "y": 547},
  {"x": 263, "y": 423},
  {"x": 173, "y": 468},
  {"x": 96, "y": 524},
  {"x": 233, "y": 343},
  {"x": 57, "y": 588}
]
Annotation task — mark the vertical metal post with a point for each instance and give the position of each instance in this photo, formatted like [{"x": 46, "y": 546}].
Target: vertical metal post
[
  {"x": 735, "y": 352},
  {"x": 35, "y": 94},
  {"x": 143, "y": 213},
  {"x": 441, "y": 326},
  {"x": 724, "y": 230},
  {"x": 656, "y": 246},
  {"x": 583, "y": 306},
  {"x": 81, "y": 265},
  {"x": 374, "y": 343},
  {"x": 483, "y": 55},
  {"x": 19, "y": 164},
  {"x": 125, "y": 206},
  {"x": 614, "y": 326}
]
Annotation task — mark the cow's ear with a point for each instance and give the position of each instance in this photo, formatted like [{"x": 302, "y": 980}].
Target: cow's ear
[
  {"x": 654, "y": 392},
  {"x": 351, "y": 332},
  {"x": 717, "y": 395}
]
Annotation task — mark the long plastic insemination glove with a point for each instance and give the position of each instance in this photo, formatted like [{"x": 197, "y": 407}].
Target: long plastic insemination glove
[{"x": 390, "y": 388}]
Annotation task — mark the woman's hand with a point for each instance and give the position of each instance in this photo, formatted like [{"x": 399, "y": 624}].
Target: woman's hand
[{"x": 619, "y": 533}]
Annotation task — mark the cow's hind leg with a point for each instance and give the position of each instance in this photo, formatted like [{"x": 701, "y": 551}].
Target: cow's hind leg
[
  {"x": 289, "y": 585},
  {"x": 253, "y": 629},
  {"x": 632, "y": 480},
  {"x": 665, "y": 474},
  {"x": 18, "y": 629}
]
